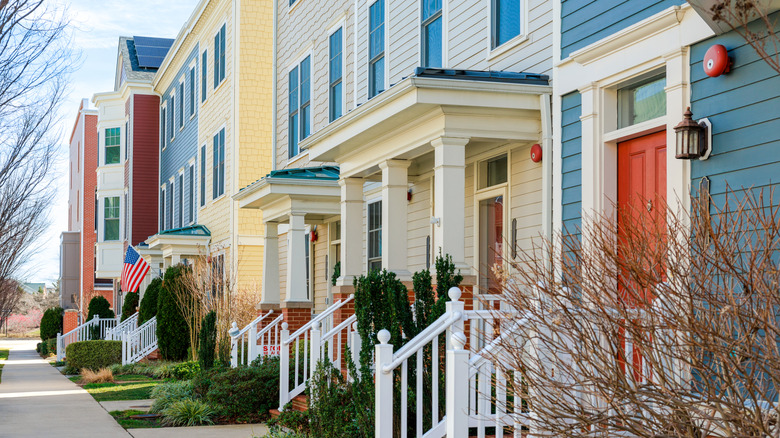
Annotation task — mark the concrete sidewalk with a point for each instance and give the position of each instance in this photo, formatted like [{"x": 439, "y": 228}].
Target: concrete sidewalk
[{"x": 36, "y": 400}]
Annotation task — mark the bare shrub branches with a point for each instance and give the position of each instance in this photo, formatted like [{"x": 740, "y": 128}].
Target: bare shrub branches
[
  {"x": 34, "y": 65},
  {"x": 761, "y": 35},
  {"x": 654, "y": 331}
]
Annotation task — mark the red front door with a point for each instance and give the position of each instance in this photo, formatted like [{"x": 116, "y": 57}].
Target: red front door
[{"x": 642, "y": 201}]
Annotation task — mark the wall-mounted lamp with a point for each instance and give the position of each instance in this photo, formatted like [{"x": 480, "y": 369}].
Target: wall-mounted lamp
[
  {"x": 435, "y": 221},
  {"x": 693, "y": 138}
]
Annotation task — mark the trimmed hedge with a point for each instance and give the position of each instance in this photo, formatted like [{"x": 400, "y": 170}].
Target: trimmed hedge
[
  {"x": 93, "y": 354},
  {"x": 51, "y": 323},
  {"x": 148, "y": 308}
]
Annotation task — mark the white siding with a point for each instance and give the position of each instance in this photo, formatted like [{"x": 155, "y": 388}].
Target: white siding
[
  {"x": 526, "y": 198},
  {"x": 418, "y": 225}
]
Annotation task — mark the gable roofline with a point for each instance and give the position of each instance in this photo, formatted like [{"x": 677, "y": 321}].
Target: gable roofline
[{"x": 184, "y": 32}]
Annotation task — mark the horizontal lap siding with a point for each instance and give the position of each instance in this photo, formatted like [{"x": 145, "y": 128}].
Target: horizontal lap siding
[
  {"x": 320, "y": 274},
  {"x": 404, "y": 39},
  {"x": 469, "y": 230},
  {"x": 526, "y": 198},
  {"x": 744, "y": 108},
  {"x": 282, "y": 266},
  {"x": 571, "y": 157},
  {"x": 419, "y": 225},
  {"x": 584, "y": 22},
  {"x": 146, "y": 134}
]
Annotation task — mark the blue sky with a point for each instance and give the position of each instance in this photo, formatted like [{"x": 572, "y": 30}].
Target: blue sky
[{"x": 97, "y": 25}]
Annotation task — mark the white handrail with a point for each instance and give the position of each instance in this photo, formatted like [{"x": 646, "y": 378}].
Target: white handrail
[
  {"x": 423, "y": 338},
  {"x": 83, "y": 332},
  {"x": 130, "y": 324},
  {"x": 244, "y": 346},
  {"x": 139, "y": 343},
  {"x": 254, "y": 322},
  {"x": 318, "y": 318}
]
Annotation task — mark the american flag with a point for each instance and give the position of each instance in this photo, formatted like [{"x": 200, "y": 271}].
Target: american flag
[{"x": 134, "y": 270}]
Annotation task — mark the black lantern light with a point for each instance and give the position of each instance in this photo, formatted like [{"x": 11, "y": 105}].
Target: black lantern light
[{"x": 692, "y": 141}]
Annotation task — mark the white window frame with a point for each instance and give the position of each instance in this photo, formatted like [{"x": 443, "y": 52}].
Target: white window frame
[
  {"x": 494, "y": 52},
  {"x": 182, "y": 88},
  {"x": 370, "y": 202},
  {"x": 386, "y": 50},
  {"x": 172, "y": 198},
  {"x": 222, "y": 53},
  {"x": 102, "y": 216},
  {"x": 120, "y": 145},
  {"x": 224, "y": 170},
  {"x": 342, "y": 24},
  {"x": 203, "y": 168},
  {"x": 444, "y": 33},
  {"x": 164, "y": 212},
  {"x": 290, "y": 68},
  {"x": 204, "y": 78},
  {"x": 193, "y": 87},
  {"x": 172, "y": 97},
  {"x": 164, "y": 129},
  {"x": 181, "y": 183},
  {"x": 193, "y": 210}
]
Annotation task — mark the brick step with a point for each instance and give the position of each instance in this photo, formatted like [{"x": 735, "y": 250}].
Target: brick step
[{"x": 300, "y": 403}]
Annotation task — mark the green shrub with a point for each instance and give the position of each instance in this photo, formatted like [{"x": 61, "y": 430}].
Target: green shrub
[
  {"x": 185, "y": 370},
  {"x": 208, "y": 340},
  {"x": 51, "y": 323},
  {"x": 44, "y": 349},
  {"x": 148, "y": 307},
  {"x": 38, "y": 347},
  {"x": 93, "y": 355},
  {"x": 168, "y": 393},
  {"x": 99, "y": 306},
  {"x": 129, "y": 306},
  {"x": 51, "y": 345},
  {"x": 188, "y": 412},
  {"x": 172, "y": 329},
  {"x": 244, "y": 393}
]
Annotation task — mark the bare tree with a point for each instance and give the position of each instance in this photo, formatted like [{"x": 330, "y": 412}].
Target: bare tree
[
  {"x": 34, "y": 66},
  {"x": 751, "y": 20},
  {"x": 652, "y": 330}
]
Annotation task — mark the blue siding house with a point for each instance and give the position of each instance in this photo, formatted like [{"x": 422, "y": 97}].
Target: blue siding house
[{"x": 179, "y": 146}]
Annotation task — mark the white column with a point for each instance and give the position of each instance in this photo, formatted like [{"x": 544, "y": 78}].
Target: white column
[
  {"x": 394, "y": 217},
  {"x": 175, "y": 259},
  {"x": 449, "y": 198},
  {"x": 270, "y": 264},
  {"x": 351, "y": 230},
  {"x": 678, "y": 172},
  {"x": 296, "y": 259}
]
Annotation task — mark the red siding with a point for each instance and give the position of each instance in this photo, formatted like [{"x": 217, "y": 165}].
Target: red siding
[
  {"x": 145, "y": 166},
  {"x": 88, "y": 224}
]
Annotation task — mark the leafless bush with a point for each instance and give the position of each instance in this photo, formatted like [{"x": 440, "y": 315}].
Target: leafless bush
[
  {"x": 653, "y": 331},
  {"x": 752, "y": 21},
  {"x": 34, "y": 64}
]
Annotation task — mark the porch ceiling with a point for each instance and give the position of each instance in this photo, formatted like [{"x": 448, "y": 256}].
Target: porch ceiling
[{"x": 401, "y": 122}]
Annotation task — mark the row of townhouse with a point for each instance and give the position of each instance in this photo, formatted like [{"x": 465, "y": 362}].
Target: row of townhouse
[{"x": 295, "y": 136}]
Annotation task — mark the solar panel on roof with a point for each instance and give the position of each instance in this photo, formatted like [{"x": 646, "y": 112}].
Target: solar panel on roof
[{"x": 151, "y": 51}]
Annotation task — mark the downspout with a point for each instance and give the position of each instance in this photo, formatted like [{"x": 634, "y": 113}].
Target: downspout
[
  {"x": 547, "y": 166},
  {"x": 274, "y": 90}
]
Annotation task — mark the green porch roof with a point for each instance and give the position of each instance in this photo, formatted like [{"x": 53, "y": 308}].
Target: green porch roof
[
  {"x": 321, "y": 173},
  {"x": 192, "y": 230}
]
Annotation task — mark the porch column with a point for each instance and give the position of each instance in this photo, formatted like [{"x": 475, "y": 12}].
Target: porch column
[
  {"x": 296, "y": 259},
  {"x": 270, "y": 264},
  {"x": 449, "y": 175},
  {"x": 351, "y": 230},
  {"x": 394, "y": 218}
]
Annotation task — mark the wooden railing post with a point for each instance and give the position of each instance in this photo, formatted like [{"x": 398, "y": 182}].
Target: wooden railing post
[
  {"x": 384, "y": 387},
  {"x": 60, "y": 353},
  {"x": 457, "y": 388},
  {"x": 125, "y": 345},
  {"x": 452, "y": 306},
  {"x": 252, "y": 353},
  {"x": 284, "y": 366},
  {"x": 233, "y": 345},
  {"x": 356, "y": 344}
]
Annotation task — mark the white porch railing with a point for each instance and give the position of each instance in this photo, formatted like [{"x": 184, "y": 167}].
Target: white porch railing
[
  {"x": 139, "y": 343},
  {"x": 94, "y": 329},
  {"x": 480, "y": 390},
  {"x": 130, "y": 324},
  {"x": 249, "y": 343},
  {"x": 308, "y": 347}
]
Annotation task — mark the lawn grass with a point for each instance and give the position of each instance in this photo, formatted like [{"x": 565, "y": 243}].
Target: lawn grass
[
  {"x": 3, "y": 356},
  {"x": 121, "y": 391},
  {"x": 124, "y": 420}
]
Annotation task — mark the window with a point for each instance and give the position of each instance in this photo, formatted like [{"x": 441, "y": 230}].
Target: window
[
  {"x": 299, "y": 98},
  {"x": 641, "y": 102},
  {"x": 219, "y": 57},
  {"x": 163, "y": 136},
  {"x": 431, "y": 33},
  {"x": 493, "y": 172},
  {"x": 376, "y": 49},
  {"x": 162, "y": 209},
  {"x": 181, "y": 104},
  {"x": 375, "y": 236},
  {"x": 204, "y": 74},
  {"x": 336, "y": 89},
  {"x": 505, "y": 21},
  {"x": 217, "y": 275},
  {"x": 181, "y": 200},
  {"x": 292, "y": 2},
  {"x": 218, "y": 174},
  {"x": 171, "y": 195},
  {"x": 203, "y": 175},
  {"x": 192, "y": 91},
  {"x": 171, "y": 110},
  {"x": 112, "y": 145},
  {"x": 192, "y": 193},
  {"x": 111, "y": 218}
]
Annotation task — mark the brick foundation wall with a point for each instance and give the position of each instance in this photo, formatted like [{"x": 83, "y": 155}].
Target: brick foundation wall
[{"x": 70, "y": 320}]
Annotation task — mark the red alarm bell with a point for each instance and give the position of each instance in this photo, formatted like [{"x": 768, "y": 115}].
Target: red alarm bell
[
  {"x": 716, "y": 61},
  {"x": 536, "y": 153}
]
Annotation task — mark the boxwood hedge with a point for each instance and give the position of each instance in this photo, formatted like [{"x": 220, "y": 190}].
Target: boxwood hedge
[{"x": 93, "y": 354}]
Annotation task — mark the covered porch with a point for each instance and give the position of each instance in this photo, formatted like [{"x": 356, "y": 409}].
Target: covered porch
[
  {"x": 177, "y": 245},
  {"x": 440, "y": 163},
  {"x": 302, "y": 205}
]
